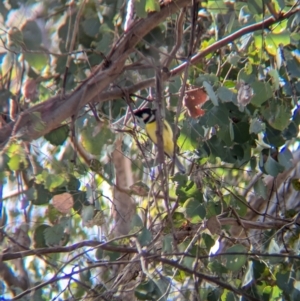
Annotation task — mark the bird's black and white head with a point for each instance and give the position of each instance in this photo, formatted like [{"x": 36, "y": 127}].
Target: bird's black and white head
[{"x": 147, "y": 115}]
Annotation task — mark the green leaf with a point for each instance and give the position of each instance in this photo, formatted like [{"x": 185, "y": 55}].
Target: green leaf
[
  {"x": 91, "y": 26},
  {"x": 228, "y": 296},
  {"x": 259, "y": 268},
  {"x": 241, "y": 132},
  {"x": 238, "y": 202},
  {"x": 217, "y": 115},
  {"x": 210, "y": 78},
  {"x": 152, "y": 5},
  {"x": 144, "y": 291},
  {"x": 38, "y": 61},
  {"x": 54, "y": 181},
  {"x": 167, "y": 243},
  {"x": 32, "y": 36},
  {"x": 260, "y": 189},
  {"x": 189, "y": 134},
  {"x": 17, "y": 157},
  {"x": 140, "y": 8},
  {"x": 234, "y": 59},
  {"x": 145, "y": 237},
  {"x": 42, "y": 196},
  {"x": 262, "y": 92},
  {"x": 80, "y": 199},
  {"x": 136, "y": 223},
  {"x": 194, "y": 210},
  {"x": 217, "y": 148},
  {"x": 272, "y": 41},
  {"x": 214, "y": 295},
  {"x": 278, "y": 114},
  {"x": 211, "y": 93},
  {"x": 217, "y": 7},
  {"x": 256, "y": 126},
  {"x": 53, "y": 235},
  {"x": 296, "y": 184},
  {"x": 16, "y": 162},
  {"x": 226, "y": 95},
  {"x": 58, "y": 136},
  {"x": 106, "y": 39},
  {"x": 258, "y": 40},
  {"x": 248, "y": 68},
  {"x": 151, "y": 290},
  {"x": 255, "y": 6},
  {"x": 231, "y": 131},
  {"x": 295, "y": 36},
  {"x": 178, "y": 219},
  {"x": 275, "y": 79},
  {"x": 285, "y": 158},
  {"x": 164, "y": 285},
  {"x": 272, "y": 167},
  {"x": 213, "y": 208},
  {"x": 284, "y": 281},
  {"x": 280, "y": 4},
  {"x": 73, "y": 183},
  {"x": 39, "y": 236},
  {"x": 236, "y": 262},
  {"x": 273, "y": 136},
  {"x": 247, "y": 78},
  {"x": 216, "y": 267},
  {"x": 185, "y": 190},
  {"x": 291, "y": 131},
  {"x": 208, "y": 240},
  {"x": 95, "y": 136}
]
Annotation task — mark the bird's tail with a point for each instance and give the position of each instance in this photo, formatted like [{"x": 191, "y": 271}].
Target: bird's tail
[{"x": 179, "y": 165}]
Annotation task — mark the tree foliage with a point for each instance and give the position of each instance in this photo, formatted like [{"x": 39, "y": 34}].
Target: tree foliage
[{"x": 87, "y": 213}]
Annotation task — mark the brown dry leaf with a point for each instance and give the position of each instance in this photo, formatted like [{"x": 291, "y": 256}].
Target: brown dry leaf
[
  {"x": 140, "y": 188},
  {"x": 13, "y": 109},
  {"x": 245, "y": 93},
  {"x": 213, "y": 225},
  {"x": 29, "y": 89},
  {"x": 194, "y": 99},
  {"x": 63, "y": 202}
]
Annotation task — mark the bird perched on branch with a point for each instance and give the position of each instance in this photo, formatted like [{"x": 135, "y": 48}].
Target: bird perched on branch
[{"x": 148, "y": 116}]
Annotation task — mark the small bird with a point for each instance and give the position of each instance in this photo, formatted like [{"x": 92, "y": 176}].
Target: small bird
[{"x": 148, "y": 116}]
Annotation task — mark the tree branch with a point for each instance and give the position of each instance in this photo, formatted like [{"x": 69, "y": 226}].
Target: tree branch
[
  {"x": 180, "y": 235},
  {"x": 54, "y": 111},
  {"x": 44, "y": 117}
]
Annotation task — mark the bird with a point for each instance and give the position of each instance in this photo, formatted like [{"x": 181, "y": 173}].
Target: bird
[{"x": 148, "y": 116}]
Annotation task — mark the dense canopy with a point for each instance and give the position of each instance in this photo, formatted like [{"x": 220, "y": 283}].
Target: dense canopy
[{"x": 90, "y": 209}]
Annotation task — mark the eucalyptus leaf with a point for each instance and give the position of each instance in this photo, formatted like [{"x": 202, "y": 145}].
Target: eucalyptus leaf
[
  {"x": 235, "y": 262},
  {"x": 262, "y": 92},
  {"x": 145, "y": 237},
  {"x": 272, "y": 167},
  {"x": 194, "y": 209},
  {"x": 285, "y": 158},
  {"x": 212, "y": 95}
]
